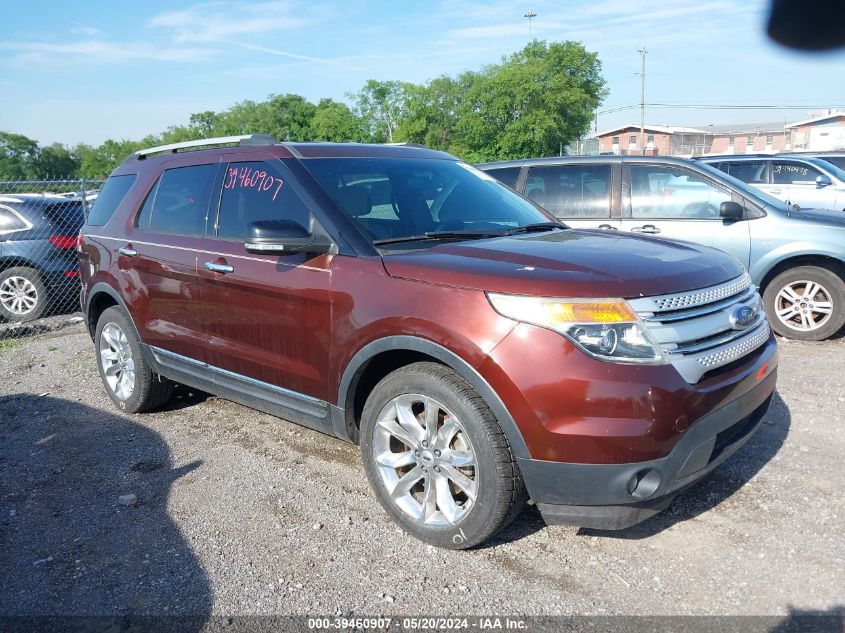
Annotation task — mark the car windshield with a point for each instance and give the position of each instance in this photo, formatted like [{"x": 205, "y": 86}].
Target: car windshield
[
  {"x": 752, "y": 192},
  {"x": 409, "y": 199},
  {"x": 829, "y": 166}
]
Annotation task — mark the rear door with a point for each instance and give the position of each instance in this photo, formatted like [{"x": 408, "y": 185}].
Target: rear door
[
  {"x": 159, "y": 259},
  {"x": 267, "y": 317},
  {"x": 679, "y": 203},
  {"x": 799, "y": 181},
  {"x": 757, "y": 174},
  {"x": 581, "y": 194}
]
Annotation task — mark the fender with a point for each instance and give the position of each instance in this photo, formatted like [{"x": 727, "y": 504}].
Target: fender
[
  {"x": 103, "y": 287},
  {"x": 348, "y": 382}
]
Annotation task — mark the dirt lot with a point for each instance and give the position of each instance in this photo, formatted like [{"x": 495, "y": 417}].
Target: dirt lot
[{"x": 240, "y": 513}]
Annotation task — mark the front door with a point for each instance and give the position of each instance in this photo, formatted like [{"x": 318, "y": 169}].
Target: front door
[
  {"x": 799, "y": 179},
  {"x": 678, "y": 203},
  {"x": 579, "y": 194},
  {"x": 268, "y": 316}
]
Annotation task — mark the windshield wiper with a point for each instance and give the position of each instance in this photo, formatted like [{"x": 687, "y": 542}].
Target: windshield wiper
[{"x": 471, "y": 234}]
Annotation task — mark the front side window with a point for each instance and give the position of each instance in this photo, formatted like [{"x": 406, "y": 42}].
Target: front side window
[
  {"x": 794, "y": 174},
  {"x": 254, "y": 191},
  {"x": 752, "y": 172},
  {"x": 673, "y": 193},
  {"x": 395, "y": 198},
  {"x": 110, "y": 196},
  {"x": 180, "y": 200},
  {"x": 571, "y": 191}
]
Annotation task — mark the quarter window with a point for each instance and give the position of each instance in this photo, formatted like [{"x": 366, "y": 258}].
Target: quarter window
[
  {"x": 110, "y": 196},
  {"x": 11, "y": 221},
  {"x": 571, "y": 191},
  {"x": 673, "y": 193},
  {"x": 181, "y": 200},
  {"x": 506, "y": 175},
  {"x": 254, "y": 191}
]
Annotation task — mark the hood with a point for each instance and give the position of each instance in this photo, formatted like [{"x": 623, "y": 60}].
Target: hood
[{"x": 568, "y": 263}]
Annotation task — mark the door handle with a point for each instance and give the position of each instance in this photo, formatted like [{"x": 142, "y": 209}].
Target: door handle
[
  {"x": 648, "y": 228},
  {"x": 774, "y": 191},
  {"x": 607, "y": 227},
  {"x": 219, "y": 268},
  {"x": 127, "y": 250}
]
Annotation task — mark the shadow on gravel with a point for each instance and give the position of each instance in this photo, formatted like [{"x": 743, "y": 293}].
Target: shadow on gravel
[
  {"x": 70, "y": 544},
  {"x": 721, "y": 483},
  {"x": 812, "y": 621}
]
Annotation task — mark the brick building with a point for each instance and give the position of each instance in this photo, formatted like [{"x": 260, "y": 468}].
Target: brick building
[{"x": 658, "y": 139}]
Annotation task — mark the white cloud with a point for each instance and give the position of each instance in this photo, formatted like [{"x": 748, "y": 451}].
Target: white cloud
[
  {"x": 216, "y": 21},
  {"x": 85, "y": 30},
  {"x": 103, "y": 51}
]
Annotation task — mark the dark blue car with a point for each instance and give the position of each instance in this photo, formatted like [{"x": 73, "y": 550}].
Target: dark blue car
[{"x": 38, "y": 266}]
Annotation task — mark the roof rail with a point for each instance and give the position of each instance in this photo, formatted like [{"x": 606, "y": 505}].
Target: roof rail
[{"x": 244, "y": 139}]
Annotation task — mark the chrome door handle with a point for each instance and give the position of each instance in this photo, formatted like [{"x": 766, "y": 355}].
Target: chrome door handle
[
  {"x": 607, "y": 227},
  {"x": 129, "y": 252},
  {"x": 648, "y": 228},
  {"x": 219, "y": 268}
]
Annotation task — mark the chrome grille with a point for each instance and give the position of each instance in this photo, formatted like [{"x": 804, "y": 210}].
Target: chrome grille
[{"x": 698, "y": 330}]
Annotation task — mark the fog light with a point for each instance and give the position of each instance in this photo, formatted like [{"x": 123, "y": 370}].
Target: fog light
[{"x": 644, "y": 484}]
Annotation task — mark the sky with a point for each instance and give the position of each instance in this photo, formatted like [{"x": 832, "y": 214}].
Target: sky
[{"x": 88, "y": 71}]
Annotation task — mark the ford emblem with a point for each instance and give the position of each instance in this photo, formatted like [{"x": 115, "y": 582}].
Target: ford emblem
[{"x": 743, "y": 317}]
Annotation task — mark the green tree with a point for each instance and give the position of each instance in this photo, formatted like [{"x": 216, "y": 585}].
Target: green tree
[
  {"x": 18, "y": 155},
  {"x": 98, "y": 162},
  {"x": 56, "y": 161},
  {"x": 334, "y": 121},
  {"x": 381, "y": 105}
]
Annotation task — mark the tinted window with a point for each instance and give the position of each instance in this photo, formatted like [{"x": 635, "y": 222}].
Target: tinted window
[
  {"x": 181, "y": 201},
  {"x": 673, "y": 193},
  {"x": 142, "y": 220},
  {"x": 392, "y": 198},
  {"x": 794, "y": 174},
  {"x": 10, "y": 221},
  {"x": 839, "y": 161},
  {"x": 507, "y": 175},
  {"x": 750, "y": 172},
  {"x": 256, "y": 191},
  {"x": 571, "y": 191},
  {"x": 109, "y": 198}
]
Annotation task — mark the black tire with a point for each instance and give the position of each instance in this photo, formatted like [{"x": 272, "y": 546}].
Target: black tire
[
  {"x": 501, "y": 493},
  {"x": 832, "y": 287},
  {"x": 33, "y": 283},
  {"x": 149, "y": 389}
]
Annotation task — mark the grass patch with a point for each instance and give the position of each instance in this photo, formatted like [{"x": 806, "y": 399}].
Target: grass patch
[{"x": 10, "y": 345}]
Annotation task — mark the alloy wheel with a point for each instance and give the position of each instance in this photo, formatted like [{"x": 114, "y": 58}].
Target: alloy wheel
[
  {"x": 116, "y": 361},
  {"x": 803, "y": 305},
  {"x": 18, "y": 295},
  {"x": 425, "y": 460}
]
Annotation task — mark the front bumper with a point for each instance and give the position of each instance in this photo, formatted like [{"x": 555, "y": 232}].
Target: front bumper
[{"x": 616, "y": 496}]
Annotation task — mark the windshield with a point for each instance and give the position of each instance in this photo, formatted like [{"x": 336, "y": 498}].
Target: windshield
[
  {"x": 761, "y": 197},
  {"x": 829, "y": 166},
  {"x": 392, "y": 199}
]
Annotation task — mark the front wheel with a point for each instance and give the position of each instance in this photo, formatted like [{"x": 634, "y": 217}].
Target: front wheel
[
  {"x": 806, "y": 303},
  {"x": 436, "y": 458}
]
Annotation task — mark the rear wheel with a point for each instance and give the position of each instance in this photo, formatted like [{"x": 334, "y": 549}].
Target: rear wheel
[
  {"x": 130, "y": 382},
  {"x": 806, "y": 303},
  {"x": 23, "y": 296},
  {"x": 437, "y": 459}
]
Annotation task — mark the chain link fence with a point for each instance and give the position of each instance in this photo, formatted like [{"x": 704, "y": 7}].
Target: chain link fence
[{"x": 39, "y": 273}]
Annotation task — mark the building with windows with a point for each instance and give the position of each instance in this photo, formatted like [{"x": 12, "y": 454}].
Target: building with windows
[{"x": 658, "y": 139}]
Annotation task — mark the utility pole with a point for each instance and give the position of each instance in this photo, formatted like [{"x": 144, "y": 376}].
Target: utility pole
[
  {"x": 642, "y": 53},
  {"x": 530, "y": 15}
]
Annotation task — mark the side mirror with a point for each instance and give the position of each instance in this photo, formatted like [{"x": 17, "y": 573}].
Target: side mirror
[
  {"x": 730, "y": 210},
  {"x": 823, "y": 181},
  {"x": 283, "y": 237}
]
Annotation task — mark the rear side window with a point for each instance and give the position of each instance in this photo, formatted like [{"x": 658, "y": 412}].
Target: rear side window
[
  {"x": 254, "y": 191},
  {"x": 751, "y": 172},
  {"x": 506, "y": 175},
  {"x": 180, "y": 200},
  {"x": 110, "y": 196},
  {"x": 571, "y": 191},
  {"x": 11, "y": 221}
]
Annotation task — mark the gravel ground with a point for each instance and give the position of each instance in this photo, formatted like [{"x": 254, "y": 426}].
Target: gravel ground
[{"x": 212, "y": 508}]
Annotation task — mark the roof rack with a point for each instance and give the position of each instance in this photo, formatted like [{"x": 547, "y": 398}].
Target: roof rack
[{"x": 245, "y": 139}]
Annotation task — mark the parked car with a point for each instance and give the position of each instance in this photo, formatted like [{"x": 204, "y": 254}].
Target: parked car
[
  {"x": 802, "y": 181},
  {"x": 479, "y": 351},
  {"x": 796, "y": 258},
  {"x": 38, "y": 264},
  {"x": 836, "y": 158}
]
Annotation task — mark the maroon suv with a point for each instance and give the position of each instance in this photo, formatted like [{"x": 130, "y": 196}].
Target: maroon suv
[{"x": 480, "y": 352}]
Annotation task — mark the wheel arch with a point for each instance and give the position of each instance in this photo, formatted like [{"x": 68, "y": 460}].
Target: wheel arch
[
  {"x": 100, "y": 297},
  {"x": 378, "y": 358},
  {"x": 836, "y": 266}
]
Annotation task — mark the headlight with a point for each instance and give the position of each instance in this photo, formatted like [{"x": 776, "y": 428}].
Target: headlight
[{"x": 607, "y": 329}]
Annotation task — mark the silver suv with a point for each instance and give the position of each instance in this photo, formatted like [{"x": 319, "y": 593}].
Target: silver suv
[
  {"x": 797, "y": 258},
  {"x": 803, "y": 181}
]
